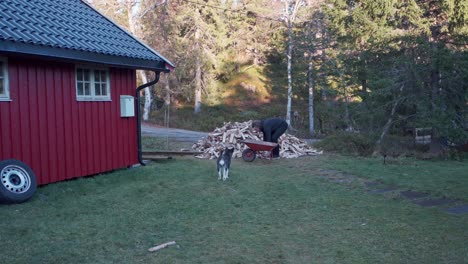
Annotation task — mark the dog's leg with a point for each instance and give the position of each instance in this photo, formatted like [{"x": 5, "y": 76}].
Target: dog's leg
[
  {"x": 225, "y": 174},
  {"x": 220, "y": 166}
]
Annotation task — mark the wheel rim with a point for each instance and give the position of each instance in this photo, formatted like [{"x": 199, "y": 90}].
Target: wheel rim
[
  {"x": 15, "y": 179},
  {"x": 248, "y": 155}
]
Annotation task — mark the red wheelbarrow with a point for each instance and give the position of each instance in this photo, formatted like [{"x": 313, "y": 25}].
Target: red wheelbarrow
[{"x": 249, "y": 154}]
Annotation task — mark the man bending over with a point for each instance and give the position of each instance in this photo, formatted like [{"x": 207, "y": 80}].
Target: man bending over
[{"x": 272, "y": 129}]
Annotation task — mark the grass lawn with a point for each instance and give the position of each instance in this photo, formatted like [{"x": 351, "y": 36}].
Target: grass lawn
[
  {"x": 441, "y": 178},
  {"x": 279, "y": 211}
]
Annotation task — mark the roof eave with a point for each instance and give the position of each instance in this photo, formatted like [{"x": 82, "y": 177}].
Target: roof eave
[
  {"x": 83, "y": 56},
  {"x": 131, "y": 35}
]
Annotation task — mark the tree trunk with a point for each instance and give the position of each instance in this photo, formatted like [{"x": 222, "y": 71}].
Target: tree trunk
[
  {"x": 167, "y": 98},
  {"x": 364, "y": 95},
  {"x": 198, "y": 73},
  {"x": 310, "y": 74},
  {"x": 434, "y": 87},
  {"x": 289, "y": 56},
  {"x": 198, "y": 88},
  {"x": 346, "y": 103},
  {"x": 434, "y": 75},
  {"x": 148, "y": 99},
  {"x": 324, "y": 59},
  {"x": 133, "y": 11},
  {"x": 311, "y": 99},
  {"x": 390, "y": 119},
  {"x": 364, "y": 87},
  {"x": 388, "y": 124},
  {"x": 167, "y": 101}
]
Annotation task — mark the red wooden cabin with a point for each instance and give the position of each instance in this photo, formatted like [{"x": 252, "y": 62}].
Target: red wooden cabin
[{"x": 67, "y": 89}]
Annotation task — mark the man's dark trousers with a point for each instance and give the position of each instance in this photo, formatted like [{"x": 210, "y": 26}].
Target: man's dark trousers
[{"x": 272, "y": 131}]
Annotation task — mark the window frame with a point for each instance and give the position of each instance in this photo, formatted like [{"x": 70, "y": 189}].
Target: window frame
[
  {"x": 5, "y": 97},
  {"x": 93, "y": 97}
]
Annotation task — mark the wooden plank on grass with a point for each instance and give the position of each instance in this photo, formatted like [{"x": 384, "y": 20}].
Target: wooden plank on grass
[{"x": 169, "y": 153}]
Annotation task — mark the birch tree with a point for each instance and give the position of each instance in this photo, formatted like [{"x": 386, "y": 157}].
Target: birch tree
[
  {"x": 134, "y": 15},
  {"x": 291, "y": 9},
  {"x": 198, "y": 68},
  {"x": 130, "y": 13},
  {"x": 311, "y": 84},
  {"x": 312, "y": 30}
]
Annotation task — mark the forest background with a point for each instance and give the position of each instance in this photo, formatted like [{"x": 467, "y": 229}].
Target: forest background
[{"x": 373, "y": 68}]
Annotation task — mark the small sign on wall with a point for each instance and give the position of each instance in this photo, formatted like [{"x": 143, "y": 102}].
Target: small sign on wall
[{"x": 127, "y": 106}]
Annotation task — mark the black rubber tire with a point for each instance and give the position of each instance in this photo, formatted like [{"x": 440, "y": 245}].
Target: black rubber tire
[
  {"x": 248, "y": 155},
  {"x": 17, "y": 181}
]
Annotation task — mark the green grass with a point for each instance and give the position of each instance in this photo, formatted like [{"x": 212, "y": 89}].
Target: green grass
[
  {"x": 278, "y": 211},
  {"x": 443, "y": 178},
  {"x": 164, "y": 144}
]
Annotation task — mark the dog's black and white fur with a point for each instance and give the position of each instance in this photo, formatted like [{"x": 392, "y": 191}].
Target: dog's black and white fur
[{"x": 224, "y": 163}]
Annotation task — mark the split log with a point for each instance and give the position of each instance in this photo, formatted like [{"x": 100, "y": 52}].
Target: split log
[
  {"x": 231, "y": 135},
  {"x": 156, "y": 248}
]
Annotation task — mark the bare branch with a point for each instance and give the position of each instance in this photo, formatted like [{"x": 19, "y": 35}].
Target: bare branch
[{"x": 163, "y": 2}]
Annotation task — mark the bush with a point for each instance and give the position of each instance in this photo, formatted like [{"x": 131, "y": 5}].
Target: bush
[{"x": 347, "y": 143}]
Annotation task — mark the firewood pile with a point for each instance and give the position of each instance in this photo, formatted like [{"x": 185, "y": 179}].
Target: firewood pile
[{"x": 232, "y": 135}]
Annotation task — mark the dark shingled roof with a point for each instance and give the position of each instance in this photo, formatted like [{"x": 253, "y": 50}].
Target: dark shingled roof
[{"x": 71, "y": 29}]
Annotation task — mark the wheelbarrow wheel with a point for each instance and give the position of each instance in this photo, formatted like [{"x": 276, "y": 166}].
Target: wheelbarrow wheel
[{"x": 248, "y": 155}]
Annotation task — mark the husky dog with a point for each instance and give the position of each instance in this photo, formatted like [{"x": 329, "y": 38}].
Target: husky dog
[{"x": 224, "y": 162}]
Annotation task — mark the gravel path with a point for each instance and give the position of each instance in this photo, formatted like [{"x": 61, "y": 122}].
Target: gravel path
[{"x": 175, "y": 134}]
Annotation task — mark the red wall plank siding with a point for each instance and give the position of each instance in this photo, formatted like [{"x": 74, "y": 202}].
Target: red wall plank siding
[
  {"x": 42, "y": 126},
  {"x": 57, "y": 136}
]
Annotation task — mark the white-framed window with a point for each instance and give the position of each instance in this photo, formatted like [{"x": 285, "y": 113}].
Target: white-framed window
[
  {"x": 4, "y": 88},
  {"x": 92, "y": 84}
]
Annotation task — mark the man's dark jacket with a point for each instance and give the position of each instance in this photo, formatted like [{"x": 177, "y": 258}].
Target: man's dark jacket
[{"x": 272, "y": 125}]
